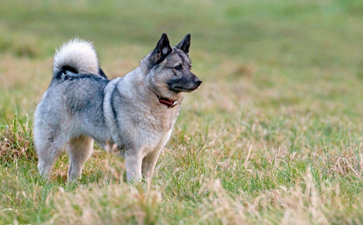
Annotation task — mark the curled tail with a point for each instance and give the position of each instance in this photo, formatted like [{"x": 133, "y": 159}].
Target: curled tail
[{"x": 76, "y": 57}]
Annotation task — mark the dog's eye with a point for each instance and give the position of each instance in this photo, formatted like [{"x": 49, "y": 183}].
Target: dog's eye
[
  {"x": 190, "y": 67},
  {"x": 179, "y": 67}
]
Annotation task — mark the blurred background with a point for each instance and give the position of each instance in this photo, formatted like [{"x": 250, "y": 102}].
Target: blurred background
[{"x": 261, "y": 52}]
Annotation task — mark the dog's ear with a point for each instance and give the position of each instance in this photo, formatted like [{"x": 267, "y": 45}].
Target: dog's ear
[
  {"x": 162, "y": 50},
  {"x": 185, "y": 44}
]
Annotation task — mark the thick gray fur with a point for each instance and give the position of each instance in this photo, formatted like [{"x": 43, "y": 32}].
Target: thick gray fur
[{"x": 81, "y": 105}]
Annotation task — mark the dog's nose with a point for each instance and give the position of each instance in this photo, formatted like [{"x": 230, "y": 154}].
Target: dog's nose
[{"x": 198, "y": 82}]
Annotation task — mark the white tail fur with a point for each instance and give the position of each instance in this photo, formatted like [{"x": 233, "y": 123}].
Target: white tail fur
[{"x": 77, "y": 54}]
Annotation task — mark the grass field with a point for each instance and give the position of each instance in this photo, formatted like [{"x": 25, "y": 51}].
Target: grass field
[{"x": 273, "y": 136}]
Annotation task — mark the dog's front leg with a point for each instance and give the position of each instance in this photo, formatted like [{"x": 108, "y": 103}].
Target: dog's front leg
[
  {"x": 133, "y": 167},
  {"x": 148, "y": 165}
]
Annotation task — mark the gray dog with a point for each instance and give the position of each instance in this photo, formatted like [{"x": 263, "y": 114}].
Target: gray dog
[{"x": 136, "y": 112}]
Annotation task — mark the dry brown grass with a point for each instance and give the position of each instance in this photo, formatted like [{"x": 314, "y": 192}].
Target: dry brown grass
[{"x": 15, "y": 143}]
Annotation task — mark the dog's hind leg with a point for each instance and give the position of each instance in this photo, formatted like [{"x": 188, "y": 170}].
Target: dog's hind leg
[
  {"x": 79, "y": 149},
  {"x": 49, "y": 147}
]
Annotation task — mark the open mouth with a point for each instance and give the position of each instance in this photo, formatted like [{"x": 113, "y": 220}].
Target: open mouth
[{"x": 182, "y": 89}]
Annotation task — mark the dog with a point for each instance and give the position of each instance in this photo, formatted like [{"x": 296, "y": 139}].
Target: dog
[{"x": 136, "y": 112}]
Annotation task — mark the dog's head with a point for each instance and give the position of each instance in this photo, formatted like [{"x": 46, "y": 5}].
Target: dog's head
[{"x": 169, "y": 68}]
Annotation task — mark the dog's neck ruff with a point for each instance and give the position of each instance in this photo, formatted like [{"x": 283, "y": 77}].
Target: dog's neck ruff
[{"x": 165, "y": 101}]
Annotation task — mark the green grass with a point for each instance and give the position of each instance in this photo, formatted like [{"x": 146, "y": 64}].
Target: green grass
[{"x": 273, "y": 136}]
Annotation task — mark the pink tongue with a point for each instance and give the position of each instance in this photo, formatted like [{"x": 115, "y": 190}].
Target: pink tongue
[{"x": 166, "y": 102}]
